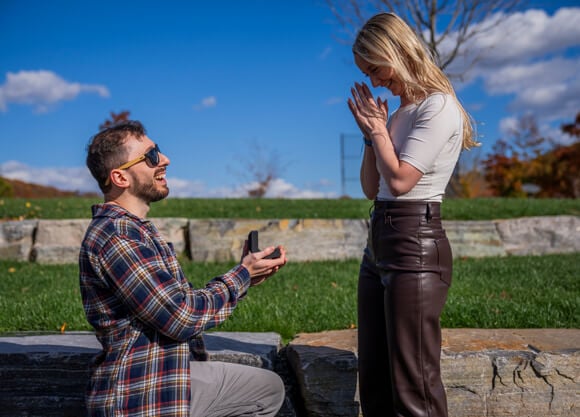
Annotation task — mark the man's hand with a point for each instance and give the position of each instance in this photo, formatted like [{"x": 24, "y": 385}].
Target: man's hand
[{"x": 261, "y": 269}]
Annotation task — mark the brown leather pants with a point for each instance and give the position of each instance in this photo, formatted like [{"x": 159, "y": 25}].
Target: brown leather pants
[{"x": 404, "y": 278}]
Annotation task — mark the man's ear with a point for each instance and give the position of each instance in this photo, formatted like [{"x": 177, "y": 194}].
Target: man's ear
[{"x": 119, "y": 178}]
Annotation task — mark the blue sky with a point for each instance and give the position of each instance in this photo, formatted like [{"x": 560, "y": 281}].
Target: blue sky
[{"x": 226, "y": 86}]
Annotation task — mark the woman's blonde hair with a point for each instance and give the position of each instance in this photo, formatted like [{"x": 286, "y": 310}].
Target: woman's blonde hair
[{"x": 386, "y": 40}]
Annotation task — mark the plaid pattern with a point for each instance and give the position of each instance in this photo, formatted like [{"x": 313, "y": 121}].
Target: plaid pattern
[{"x": 147, "y": 316}]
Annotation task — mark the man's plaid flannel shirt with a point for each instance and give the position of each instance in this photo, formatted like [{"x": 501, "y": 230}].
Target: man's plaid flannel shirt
[{"x": 147, "y": 316}]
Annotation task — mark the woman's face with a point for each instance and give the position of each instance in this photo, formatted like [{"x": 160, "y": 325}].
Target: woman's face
[{"x": 380, "y": 76}]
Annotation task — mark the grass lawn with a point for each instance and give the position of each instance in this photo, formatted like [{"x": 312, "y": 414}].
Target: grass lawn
[
  {"x": 508, "y": 292},
  {"x": 199, "y": 208},
  {"x": 502, "y": 292}
]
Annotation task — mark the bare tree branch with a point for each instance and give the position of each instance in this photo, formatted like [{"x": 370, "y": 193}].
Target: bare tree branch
[
  {"x": 445, "y": 26},
  {"x": 260, "y": 166}
]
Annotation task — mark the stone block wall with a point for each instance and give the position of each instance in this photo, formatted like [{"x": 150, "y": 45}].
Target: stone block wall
[
  {"x": 304, "y": 239},
  {"x": 17, "y": 239},
  {"x": 486, "y": 373},
  {"x": 46, "y": 375},
  {"x": 58, "y": 241}
]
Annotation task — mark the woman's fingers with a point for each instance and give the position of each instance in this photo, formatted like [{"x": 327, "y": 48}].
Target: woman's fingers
[
  {"x": 367, "y": 91},
  {"x": 357, "y": 98},
  {"x": 365, "y": 97},
  {"x": 368, "y": 113}
]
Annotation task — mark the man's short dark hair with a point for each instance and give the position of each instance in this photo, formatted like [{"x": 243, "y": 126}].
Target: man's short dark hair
[{"x": 106, "y": 149}]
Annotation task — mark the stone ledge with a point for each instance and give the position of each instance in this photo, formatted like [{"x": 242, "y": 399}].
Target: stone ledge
[
  {"x": 58, "y": 241},
  {"x": 487, "y": 373},
  {"x": 45, "y": 375}
]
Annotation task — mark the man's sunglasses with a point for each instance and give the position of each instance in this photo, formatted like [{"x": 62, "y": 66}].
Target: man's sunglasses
[{"x": 152, "y": 155}]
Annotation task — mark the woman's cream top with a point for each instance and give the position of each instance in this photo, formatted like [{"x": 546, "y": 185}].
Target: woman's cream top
[{"x": 429, "y": 136}]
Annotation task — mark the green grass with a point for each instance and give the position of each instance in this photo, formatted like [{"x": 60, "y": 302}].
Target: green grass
[
  {"x": 515, "y": 292},
  {"x": 506, "y": 292},
  {"x": 511, "y": 292},
  {"x": 453, "y": 209}
]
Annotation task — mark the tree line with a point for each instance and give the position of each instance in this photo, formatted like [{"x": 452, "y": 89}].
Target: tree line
[{"x": 524, "y": 164}]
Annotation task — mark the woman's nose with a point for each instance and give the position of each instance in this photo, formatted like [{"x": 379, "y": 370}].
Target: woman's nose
[{"x": 374, "y": 81}]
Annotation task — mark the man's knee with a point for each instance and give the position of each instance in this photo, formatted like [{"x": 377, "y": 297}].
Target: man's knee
[{"x": 276, "y": 390}]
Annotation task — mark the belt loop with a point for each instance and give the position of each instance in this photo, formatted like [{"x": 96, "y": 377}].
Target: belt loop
[{"x": 428, "y": 215}]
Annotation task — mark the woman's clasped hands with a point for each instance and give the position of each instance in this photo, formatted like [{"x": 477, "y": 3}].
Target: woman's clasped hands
[{"x": 371, "y": 115}]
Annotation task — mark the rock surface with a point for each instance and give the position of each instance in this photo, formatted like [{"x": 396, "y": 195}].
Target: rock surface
[
  {"x": 16, "y": 239},
  {"x": 487, "y": 373},
  {"x": 205, "y": 240},
  {"x": 46, "y": 375}
]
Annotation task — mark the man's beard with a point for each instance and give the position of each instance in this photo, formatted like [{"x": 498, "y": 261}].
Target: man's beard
[{"x": 149, "y": 192}]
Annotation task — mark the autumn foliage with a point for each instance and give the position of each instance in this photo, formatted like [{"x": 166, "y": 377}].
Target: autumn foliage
[
  {"x": 19, "y": 189},
  {"x": 529, "y": 164}
]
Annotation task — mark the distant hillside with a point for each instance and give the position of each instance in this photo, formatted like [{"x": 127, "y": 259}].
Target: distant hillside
[{"x": 21, "y": 189}]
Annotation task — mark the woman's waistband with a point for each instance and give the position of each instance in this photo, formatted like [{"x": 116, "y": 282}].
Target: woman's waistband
[{"x": 408, "y": 208}]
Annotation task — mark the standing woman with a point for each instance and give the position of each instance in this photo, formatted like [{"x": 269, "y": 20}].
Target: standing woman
[{"x": 406, "y": 268}]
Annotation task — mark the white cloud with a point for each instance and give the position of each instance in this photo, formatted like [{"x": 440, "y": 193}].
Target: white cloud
[
  {"x": 521, "y": 37},
  {"x": 332, "y": 101},
  {"x": 185, "y": 188},
  {"x": 534, "y": 33},
  {"x": 80, "y": 179},
  {"x": 66, "y": 179},
  {"x": 41, "y": 89},
  {"x": 508, "y": 125},
  {"x": 280, "y": 188},
  {"x": 548, "y": 89},
  {"x": 325, "y": 53},
  {"x": 206, "y": 103},
  {"x": 531, "y": 57}
]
